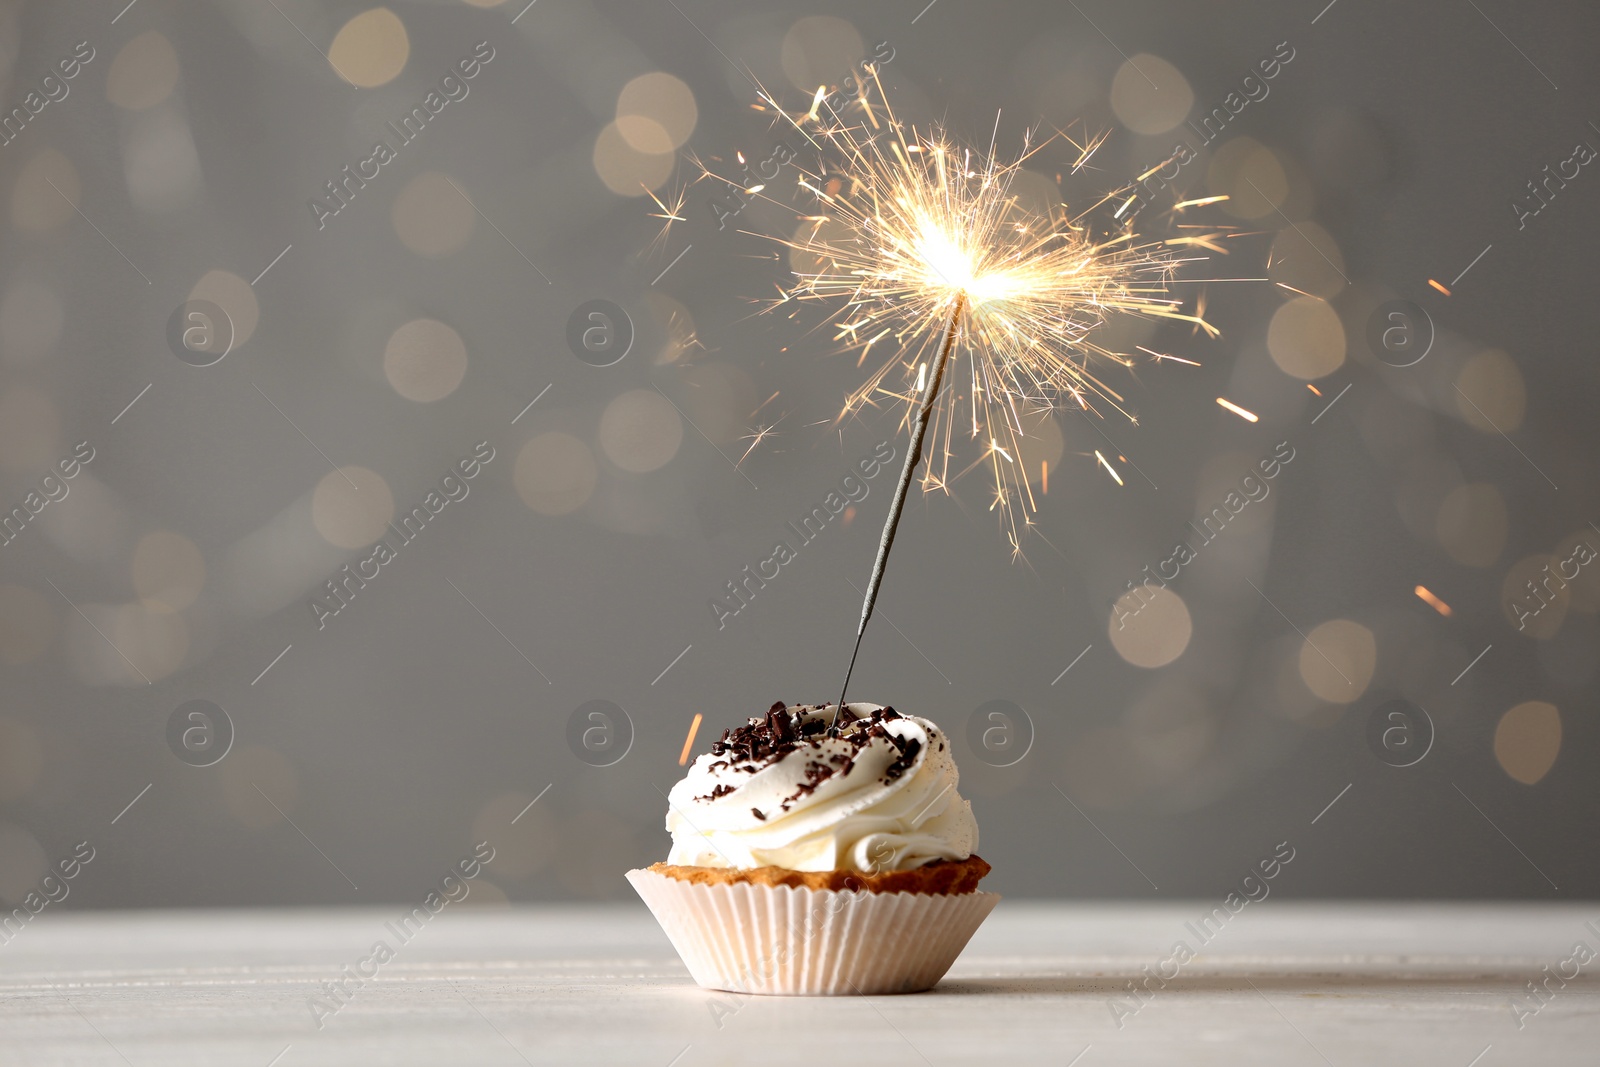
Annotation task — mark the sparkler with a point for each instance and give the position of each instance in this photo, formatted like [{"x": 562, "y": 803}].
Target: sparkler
[{"x": 931, "y": 251}]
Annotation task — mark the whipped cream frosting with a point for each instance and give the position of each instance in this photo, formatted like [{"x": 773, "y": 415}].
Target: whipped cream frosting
[{"x": 786, "y": 791}]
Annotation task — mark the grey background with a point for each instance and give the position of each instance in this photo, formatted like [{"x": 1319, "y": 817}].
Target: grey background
[{"x": 413, "y": 725}]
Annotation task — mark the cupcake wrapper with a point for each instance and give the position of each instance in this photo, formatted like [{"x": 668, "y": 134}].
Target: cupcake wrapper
[{"x": 749, "y": 938}]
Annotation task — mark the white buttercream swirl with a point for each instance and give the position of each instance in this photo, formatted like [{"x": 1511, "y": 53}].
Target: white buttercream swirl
[{"x": 862, "y": 817}]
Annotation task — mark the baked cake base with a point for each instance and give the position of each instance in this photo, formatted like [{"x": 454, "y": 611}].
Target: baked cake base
[{"x": 945, "y": 877}]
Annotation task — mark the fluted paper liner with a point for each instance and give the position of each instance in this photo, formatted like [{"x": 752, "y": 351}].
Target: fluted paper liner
[{"x": 786, "y": 940}]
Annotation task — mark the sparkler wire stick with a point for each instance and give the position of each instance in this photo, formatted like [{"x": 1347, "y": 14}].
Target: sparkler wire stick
[{"x": 897, "y": 505}]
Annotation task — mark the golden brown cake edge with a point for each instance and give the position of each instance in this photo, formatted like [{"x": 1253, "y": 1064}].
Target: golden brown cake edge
[{"x": 941, "y": 877}]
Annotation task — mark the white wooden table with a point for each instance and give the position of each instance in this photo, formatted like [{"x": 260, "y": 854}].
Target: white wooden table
[{"x": 1282, "y": 983}]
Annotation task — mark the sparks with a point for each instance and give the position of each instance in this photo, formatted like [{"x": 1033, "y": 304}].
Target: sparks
[
  {"x": 1205, "y": 201},
  {"x": 1432, "y": 601},
  {"x": 911, "y": 237},
  {"x": 1439, "y": 287},
  {"x": 1109, "y": 468},
  {"x": 816, "y": 101},
  {"x": 1247, "y": 416},
  {"x": 761, "y": 434},
  {"x": 764, "y": 403},
  {"x": 1159, "y": 356},
  {"x": 668, "y": 212}
]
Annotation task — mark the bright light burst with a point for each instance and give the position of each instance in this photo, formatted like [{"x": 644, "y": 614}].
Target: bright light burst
[{"x": 904, "y": 230}]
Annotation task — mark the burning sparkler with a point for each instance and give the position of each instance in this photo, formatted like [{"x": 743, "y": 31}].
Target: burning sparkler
[{"x": 930, "y": 253}]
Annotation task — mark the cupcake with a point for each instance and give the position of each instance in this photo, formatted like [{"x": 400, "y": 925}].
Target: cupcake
[{"x": 814, "y": 858}]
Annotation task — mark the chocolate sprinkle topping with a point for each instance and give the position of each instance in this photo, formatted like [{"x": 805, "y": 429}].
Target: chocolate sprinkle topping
[
  {"x": 908, "y": 756},
  {"x": 768, "y": 739},
  {"x": 763, "y": 741}
]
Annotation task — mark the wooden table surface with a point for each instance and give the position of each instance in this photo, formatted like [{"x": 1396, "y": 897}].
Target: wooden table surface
[{"x": 1280, "y": 983}]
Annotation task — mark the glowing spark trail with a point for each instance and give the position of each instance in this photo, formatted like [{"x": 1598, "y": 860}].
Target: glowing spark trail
[
  {"x": 1109, "y": 468},
  {"x": 1432, "y": 601},
  {"x": 1248, "y": 416}
]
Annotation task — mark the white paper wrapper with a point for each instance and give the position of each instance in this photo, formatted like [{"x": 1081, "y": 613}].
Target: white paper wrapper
[{"x": 813, "y": 942}]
